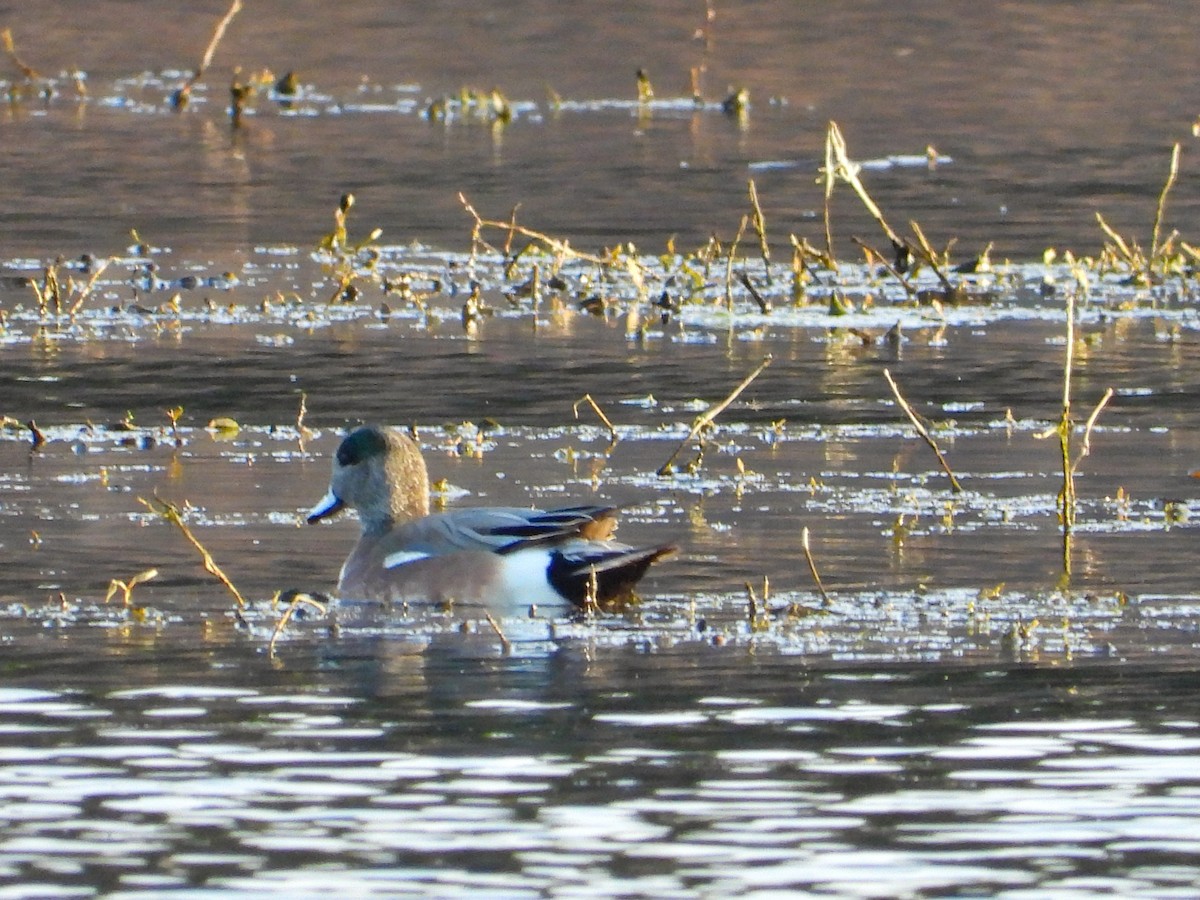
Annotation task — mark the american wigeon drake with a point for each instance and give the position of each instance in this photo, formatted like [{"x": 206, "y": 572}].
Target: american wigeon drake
[{"x": 503, "y": 559}]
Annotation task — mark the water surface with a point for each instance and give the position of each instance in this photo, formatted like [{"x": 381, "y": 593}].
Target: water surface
[{"x": 975, "y": 709}]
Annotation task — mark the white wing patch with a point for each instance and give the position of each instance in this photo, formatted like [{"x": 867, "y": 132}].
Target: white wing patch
[{"x": 402, "y": 558}]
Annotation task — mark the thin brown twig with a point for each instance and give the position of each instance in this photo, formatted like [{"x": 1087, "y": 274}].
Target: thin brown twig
[
  {"x": 1172, "y": 174},
  {"x": 181, "y": 96},
  {"x": 729, "y": 263},
  {"x": 873, "y": 254},
  {"x": 922, "y": 431},
  {"x": 554, "y": 244},
  {"x": 219, "y": 33},
  {"x": 926, "y": 252},
  {"x": 706, "y": 418},
  {"x": 84, "y": 292},
  {"x": 30, "y": 73},
  {"x": 298, "y": 599},
  {"x": 760, "y": 229},
  {"x": 1086, "y": 446},
  {"x": 171, "y": 513},
  {"x": 505, "y": 643},
  {"x": 812, "y": 566},
  {"x": 612, "y": 429}
]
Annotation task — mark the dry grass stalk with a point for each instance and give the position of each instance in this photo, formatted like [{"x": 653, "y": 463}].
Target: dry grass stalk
[
  {"x": 1172, "y": 175},
  {"x": 922, "y": 431},
  {"x": 729, "y": 263},
  {"x": 1162, "y": 250},
  {"x": 505, "y": 643},
  {"x": 27, "y": 71},
  {"x": 296, "y": 600},
  {"x": 1065, "y": 430},
  {"x": 931, "y": 258},
  {"x": 840, "y": 167},
  {"x": 180, "y": 98},
  {"x": 612, "y": 429},
  {"x": 560, "y": 248},
  {"x": 874, "y": 257},
  {"x": 171, "y": 513},
  {"x": 1066, "y": 496},
  {"x": 126, "y": 587},
  {"x": 760, "y": 229},
  {"x": 1085, "y": 447},
  {"x": 812, "y": 566},
  {"x": 705, "y": 419}
]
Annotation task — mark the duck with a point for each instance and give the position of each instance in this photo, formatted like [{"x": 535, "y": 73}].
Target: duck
[{"x": 502, "y": 559}]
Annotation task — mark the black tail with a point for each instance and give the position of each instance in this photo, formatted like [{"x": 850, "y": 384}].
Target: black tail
[{"x": 612, "y": 572}]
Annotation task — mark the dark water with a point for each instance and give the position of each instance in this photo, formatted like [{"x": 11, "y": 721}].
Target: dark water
[{"x": 977, "y": 709}]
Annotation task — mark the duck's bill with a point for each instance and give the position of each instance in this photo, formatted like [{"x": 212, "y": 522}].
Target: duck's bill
[{"x": 329, "y": 505}]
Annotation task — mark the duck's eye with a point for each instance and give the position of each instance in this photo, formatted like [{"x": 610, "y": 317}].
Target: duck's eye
[{"x": 359, "y": 445}]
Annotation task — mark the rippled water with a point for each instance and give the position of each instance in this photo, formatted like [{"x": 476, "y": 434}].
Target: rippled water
[{"x": 963, "y": 715}]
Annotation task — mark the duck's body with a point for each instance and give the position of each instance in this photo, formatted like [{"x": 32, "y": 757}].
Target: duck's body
[{"x": 503, "y": 559}]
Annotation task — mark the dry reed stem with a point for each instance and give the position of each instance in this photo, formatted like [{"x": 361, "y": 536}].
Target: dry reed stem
[
  {"x": 729, "y": 263},
  {"x": 706, "y": 418},
  {"x": 86, "y": 291},
  {"x": 921, "y": 430},
  {"x": 847, "y": 171},
  {"x": 802, "y": 251},
  {"x": 301, "y": 428},
  {"x": 763, "y": 303},
  {"x": 876, "y": 256},
  {"x": 1067, "y": 495},
  {"x": 171, "y": 513},
  {"x": 760, "y": 229},
  {"x": 218, "y": 33},
  {"x": 829, "y": 173},
  {"x": 1172, "y": 175},
  {"x": 27, "y": 71},
  {"x": 298, "y": 599},
  {"x": 812, "y": 566},
  {"x": 929, "y": 256},
  {"x": 612, "y": 429},
  {"x": 560, "y": 247},
  {"x": 1086, "y": 447},
  {"x": 505, "y": 643},
  {"x": 1134, "y": 261},
  {"x": 126, "y": 587}
]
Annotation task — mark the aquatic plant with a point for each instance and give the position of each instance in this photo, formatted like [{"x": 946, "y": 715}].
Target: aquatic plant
[
  {"x": 1163, "y": 257},
  {"x": 53, "y": 296},
  {"x": 1065, "y": 430},
  {"x": 348, "y": 262},
  {"x": 839, "y": 167}
]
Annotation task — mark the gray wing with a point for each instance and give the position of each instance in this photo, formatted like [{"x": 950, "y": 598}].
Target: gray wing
[{"x": 503, "y": 529}]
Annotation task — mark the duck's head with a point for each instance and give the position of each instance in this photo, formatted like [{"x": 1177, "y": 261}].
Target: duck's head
[{"x": 380, "y": 473}]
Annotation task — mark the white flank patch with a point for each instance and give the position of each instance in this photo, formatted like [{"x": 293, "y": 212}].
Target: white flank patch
[
  {"x": 402, "y": 558},
  {"x": 526, "y": 580}
]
